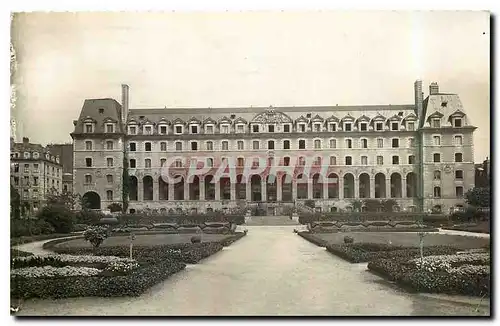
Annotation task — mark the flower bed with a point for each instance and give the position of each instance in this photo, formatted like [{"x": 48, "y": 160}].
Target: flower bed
[
  {"x": 65, "y": 260},
  {"x": 51, "y": 271},
  {"x": 464, "y": 274},
  {"x": 365, "y": 252},
  {"x": 19, "y": 253},
  {"x": 132, "y": 284}
]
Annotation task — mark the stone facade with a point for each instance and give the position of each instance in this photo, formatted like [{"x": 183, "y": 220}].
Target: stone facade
[{"x": 419, "y": 154}]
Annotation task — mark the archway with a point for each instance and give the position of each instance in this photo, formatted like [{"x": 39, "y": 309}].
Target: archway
[
  {"x": 132, "y": 195},
  {"x": 333, "y": 185},
  {"x": 163, "y": 189},
  {"x": 348, "y": 185},
  {"x": 380, "y": 186},
  {"x": 286, "y": 188},
  {"x": 271, "y": 188},
  {"x": 147, "y": 184},
  {"x": 317, "y": 186},
  {"x": 255, "y": 186},
  {"x": 209, "y": 188},
  {"x": 179, "y": 188},
  {"x": 301, "y": 187},
  {"x": 411, "y": 185},
  {"x": 194, "y": 189},
  {"x": 225, "y": 188},
  {"x": 396, "y": 185},
  {"x": 92, "y": 200},
  {"x": 364, "y": 186}
]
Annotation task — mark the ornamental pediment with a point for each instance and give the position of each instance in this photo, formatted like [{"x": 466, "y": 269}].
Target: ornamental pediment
[{"x": 272, "y": 116}]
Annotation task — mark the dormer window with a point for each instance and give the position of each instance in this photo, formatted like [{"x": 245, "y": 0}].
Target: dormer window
[
  {"x": 457, "y": 122},
  {"x": 436, "y": 123},
  {"x": 287, "y": 128},
  {"x": 379, "y": 126},
  {"x": 270, "y": 128},
  {"x": 132, "y": 130},
  {"x": 332, "y": 127},
  {"x": 194, "y": 129},
  {"x": 224, "y": 129},
  {"x": 363, "y": 126},
  {"x": 255, "y": 128},
  {"x": 209, "y": 129},
  {"x": 410, "y": 126},
  {"x": 317, "y": 127},
  {"x": 179, "y": 129},
  {"x": 110, "y": 128},
  {"x": 26, "y": 155},
  {"x": 36, "y": 155},
  {"x": 101, "y": 111},
  {"x": 347, "y": 126},
  {"x": 162, "y": 129},
  {"x": 394, "y": 126},
  {"x": 89, "y": 128},
  {"x": 301, "y": 127},
  {"x": 148, "y": 130},
  {"x": 240, "y": 128}
]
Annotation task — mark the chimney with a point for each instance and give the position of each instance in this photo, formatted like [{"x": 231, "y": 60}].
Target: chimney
[
  {"x": 419, "y": 98},
  {"x": 125, "y": 92},
  {"x": 433, "y": 88},
  {"x": 26, "y": 140}
]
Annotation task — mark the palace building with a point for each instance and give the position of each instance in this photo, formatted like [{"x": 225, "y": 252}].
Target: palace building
[{"x": 420, "y": 154}]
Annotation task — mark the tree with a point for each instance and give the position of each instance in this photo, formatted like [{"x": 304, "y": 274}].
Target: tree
[
  {"x": 95, "y": 235},
  {"x": 478, "y": 197},
  {"x": 115, "y": 207},
  {"x": 125, "y": 184},
  {"x": 59, "y": 217},
  {"x": 65, "y": 199},
  {"x": 372, "y": 205},
  {"x": 388, "y": 205},
  {"x": 15, "y": 203}
]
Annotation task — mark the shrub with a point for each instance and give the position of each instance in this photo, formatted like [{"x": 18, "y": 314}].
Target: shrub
[
  {"x": 313, "y": 239},
  {"x": 19, "y": 253},
  {"x": 310, "y": 203},
  {"x": 115, "y": 207},
  {"x": 27, "y": 227},
  {"x": 88, "y": 217},
  {"x": 59, "y": 217},
  {"x": 348, "y": 239},
  {"x": 95, "y": 235},
  {"x": 195, "y": 239}
]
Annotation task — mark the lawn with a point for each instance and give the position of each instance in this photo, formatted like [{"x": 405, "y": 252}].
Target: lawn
[{"x": 481, "y": 227}]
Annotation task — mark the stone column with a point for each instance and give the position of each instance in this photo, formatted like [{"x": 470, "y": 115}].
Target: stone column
[
  {"x": 248, "y": 191},
  {"x": 325, "y": 189},
  {"x": 309, "y": 189},
  {"x": 294, "y": 190},
  {"x": 372, "y": 187},
  {"x": 263, "y": 187},
  {"x": 279, "y": 190},
  {"x": 186, "y": 190},
  {"x": 171, "y": 195},
  {"x": 388, "y": 188},
  {"x": 140, "y": 190},
  {"x": 156, "y": 192},
  {"x": 403, "y": 188},
  {"x": 202, "y": 189},
  {"x": 356, "y": 188},
  {"x": 341, "y": 187},
  {"x": 233, "y": 190},
  {"x": 217, "y": 190}
]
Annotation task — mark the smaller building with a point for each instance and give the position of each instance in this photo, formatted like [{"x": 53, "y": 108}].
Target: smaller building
[
  {"x": 65, "y": 153},
  {"x": 35, "y": 173},
  {"x": 482, "y": 175}
]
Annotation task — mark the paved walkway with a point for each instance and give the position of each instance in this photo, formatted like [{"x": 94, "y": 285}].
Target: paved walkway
[{"x": 271, "y": 271}]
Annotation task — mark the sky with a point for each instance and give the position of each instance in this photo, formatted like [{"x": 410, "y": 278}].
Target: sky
[{"x": 246, "y": 58}]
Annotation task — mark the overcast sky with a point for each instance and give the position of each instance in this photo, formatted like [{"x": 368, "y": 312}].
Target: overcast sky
[{"x": 243, "y": 59}]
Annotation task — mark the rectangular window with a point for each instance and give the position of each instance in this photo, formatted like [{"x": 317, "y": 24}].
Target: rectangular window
[
  {"x": 395, "y": 160},
  {"x": 363, "y": 126},
  {"x": 88, "y": 162},
  {"x": 437, "y": 192},
  {"x": 241, "y": 161},
  {"x": 178, "y": 129},
  {"x": 163, "y": 130},
  {"x": 411, "y": 142},
  {"x": 225, "y": 145},
  {"x": 109, "y": 195},
  {"x": 333, "y": 143},
  {"x": 27, "y": 168},
  {"x": 411, "y": 126},
  {"x": 109, "y": 178},
  {"x": 255, "y": 128},
  {"x": 348, "y": 160},
  {"x": 379, "y": 126},
  {"x": 88, "y": 145},
  {"x": 347, "y": 126},
  {"x": 394, "y": 126},
  {"x": 109, "y": 145},
  {"x": 194, "y": 146},
  {"x": 380, "y": 160},
  {"x": 35, "y": 181},
  {"x": 437, "y": 175},
  {"x": 459, "y": 174},
  {"x": 286, "y": 144},
  {"x": 348, "y": 143},
  {"x": 16, "y": 181},
  {"x": 210, "y": 146},
  {"x": 147, "y": 147},
  {"x": 364, "y": 143},
  {"x": 163, "y": 161},
  {"x": 109, "y": 162},
  {"x": 437, "y": 140},
  {"x": 317, "y": 144},
  {"x": 148, "y": 130},
  {"x": 333, "y": 127},
  {"x": 255, "y": 144},
  {"x": 302, "y": 144},
  {"x": 436, "y": 123},
  {"x": 133, "y": 147},
  {"x": 132, "y": 130},
  {"x": 147, "y": 163},
  {"x": 132, "y": 163},
  {"x": 88, "y": 179},
  {"x": 26, "y": 181},
  {"x": 270, "y": 128},
  {"x": 224, "y": 129},
  {"x": 458, "y": 123},
  {"x": 333, "y": 160},
  {"x": 437, "y": 158},
  {"x": 178, "y": 146},
  {"x": 411, "y": 159},
  {"x": 302, "y": 127},
  {"x": 286, "y": 161},
  {"x": 210, "y": 162},
  {"x": 194, "y": 129},
  {"x": 380, "y": 143},
  {"x": 364, "y": 160},
  {"x": 395, "y": 143},
  {"x": 458, "y": 157},
  {"x": 270, "y": 144},
  {"x": 286, "y": 128},
  {"x": 241, "y": 145},
  {"x": 163, "y": 146},
  {"x": 459, "y": 192},
  {"x": 88, "y": 128},
  {"x": 317, "y": 127},
  {"x": 209, "y": 129},
  {"x": 240, "y": 129},
  {"x": 458, "y": 140},
  {"x": 35, "y": 167}
]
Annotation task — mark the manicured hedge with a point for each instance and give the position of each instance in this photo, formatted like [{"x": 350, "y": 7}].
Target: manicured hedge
[
  {"x": 305, "y": 218},
  {"x": 27, "y": 239},
  {"x": 365, "y": 252},
  {"x": 142, "y": 219},
  {"x": 311, "y": 238},
  {"x": 133, "y": 284},
  {"x": 465, "y": 280}
]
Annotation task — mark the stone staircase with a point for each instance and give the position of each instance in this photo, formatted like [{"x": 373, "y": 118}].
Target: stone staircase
[{"x": 271, "y": 220}]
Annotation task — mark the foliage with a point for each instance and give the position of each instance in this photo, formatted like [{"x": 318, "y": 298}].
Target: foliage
[
  {"x": 125, "y": 183},
  {"x": 15, "y": 203},
  {"x": 95, "y": 235},
  {"x": 132, "y": 284},
  {"x": 310, "y": 203},
  {"x": 122, "y": 267},
  {"x": 356, "y": 205},
  {"x": 115, "y": 207},
  {"x": 478, "y": 197},
  {"x": 63, "y": 260},
  {"x": 388, "y": 205},
  {"x": 87, "y": 216},
  {"x": 372, "y": 205},
  {"x": 19, "y": 253},
  {"x": 28, "y": 227},
  {"x": 348, "y": 239},
  {"x": 65, "y": 200},
  {"x": 198, "y": 219},
  {"x": 50, "y": 271},
  {"x": 59, "y": 217},
  {"x": 196, "y": 239}
]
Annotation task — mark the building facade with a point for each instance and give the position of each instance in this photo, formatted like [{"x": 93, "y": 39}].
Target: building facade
[
  {"x": 35, "y": 173},
  {"x": 65, "y": 153},
  {"x": 420, "y": 155}
]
